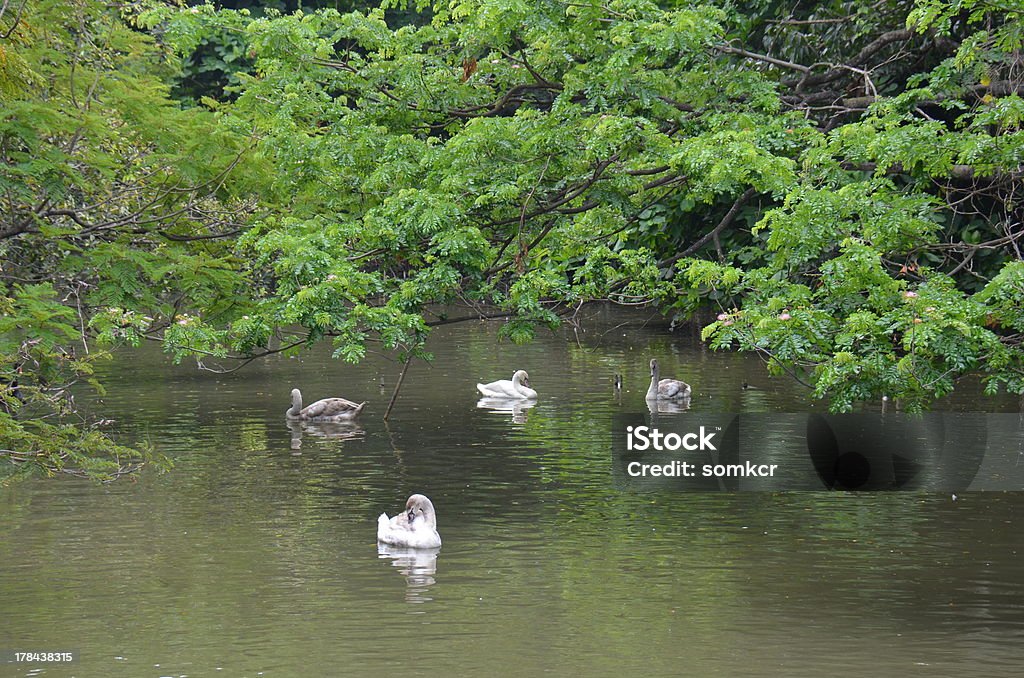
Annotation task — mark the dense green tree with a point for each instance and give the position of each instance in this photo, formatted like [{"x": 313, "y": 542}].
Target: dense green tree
[
  {"x": 852, "y": 218},
  {"x": 839, "y": 184},
  {"x": 113, "y": 201}
]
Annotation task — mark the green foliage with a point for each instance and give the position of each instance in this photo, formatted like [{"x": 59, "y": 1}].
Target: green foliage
[
  {"x": 112, "y": 201},
  {"x": 482, "y": 157},
  {"x": 533, "y": 157},
  {"x": 841, "y": 190},
  {"x": 39, "y": 366}
]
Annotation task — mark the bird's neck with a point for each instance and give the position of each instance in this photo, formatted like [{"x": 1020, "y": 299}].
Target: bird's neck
[{"x": 652, "y": 392}]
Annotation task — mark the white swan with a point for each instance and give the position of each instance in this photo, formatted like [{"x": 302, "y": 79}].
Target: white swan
[
  {"x": 415, "y": 528},
  {"x": 666, "y": 389},
  {"x": 518, "y": 387},
  {"x": 326, "y": 410}
]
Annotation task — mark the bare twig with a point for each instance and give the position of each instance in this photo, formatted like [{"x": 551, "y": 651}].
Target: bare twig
[{"x": 398, "y": 386}]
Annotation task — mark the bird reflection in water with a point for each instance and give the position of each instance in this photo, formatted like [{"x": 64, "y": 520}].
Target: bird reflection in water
[
  {"x": 329, "y": 430},
  {"x": 512, "y": 406},
  {"x": 418, "y": 566},
  {"x": 668, "y": 406}
]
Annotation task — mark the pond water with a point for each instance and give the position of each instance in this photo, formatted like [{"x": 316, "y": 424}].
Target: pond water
[{"x": 256, "y": 554}]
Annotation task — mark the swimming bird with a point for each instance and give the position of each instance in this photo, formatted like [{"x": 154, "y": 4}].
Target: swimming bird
[
  {"x": 666, "y": 389},
  {"x": 518, "y": 387},
  {"x": 328, "y": 409},
  {"x": 415, "y": 528}
]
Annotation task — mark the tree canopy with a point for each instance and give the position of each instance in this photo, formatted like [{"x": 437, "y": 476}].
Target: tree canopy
[{"x": 838, "y": 184}]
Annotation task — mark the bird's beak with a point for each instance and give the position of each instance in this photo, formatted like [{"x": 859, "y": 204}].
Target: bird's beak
[{"x": 411, "y": 514}]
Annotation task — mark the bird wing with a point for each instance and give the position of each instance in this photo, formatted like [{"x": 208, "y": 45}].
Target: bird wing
[
  {"x": 672, "y": 388},
  {"x": 393, "y": 530},
  {"x": 498, "y": 389},
  {"x": 383, "y": 524},
  {"x": 329, "y": 407},
  {"x": 487, "y": 391}
]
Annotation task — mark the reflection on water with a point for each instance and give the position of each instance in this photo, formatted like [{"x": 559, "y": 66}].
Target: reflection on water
[
  {"x": 418, "y": 566},
  {"x": 515, "y": 407},
  {"x": 668, "y": 406},
  {"x": 348, "y": 430},
  {"x": 249, "y": 558}
]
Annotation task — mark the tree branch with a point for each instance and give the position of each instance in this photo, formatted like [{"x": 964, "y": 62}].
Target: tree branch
[
  {"x": 763, "y": 57},
  {"x": 957, "y": 172},
  {"x": 724, "y": 223},
  {"x": 860, "y": 59}
]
